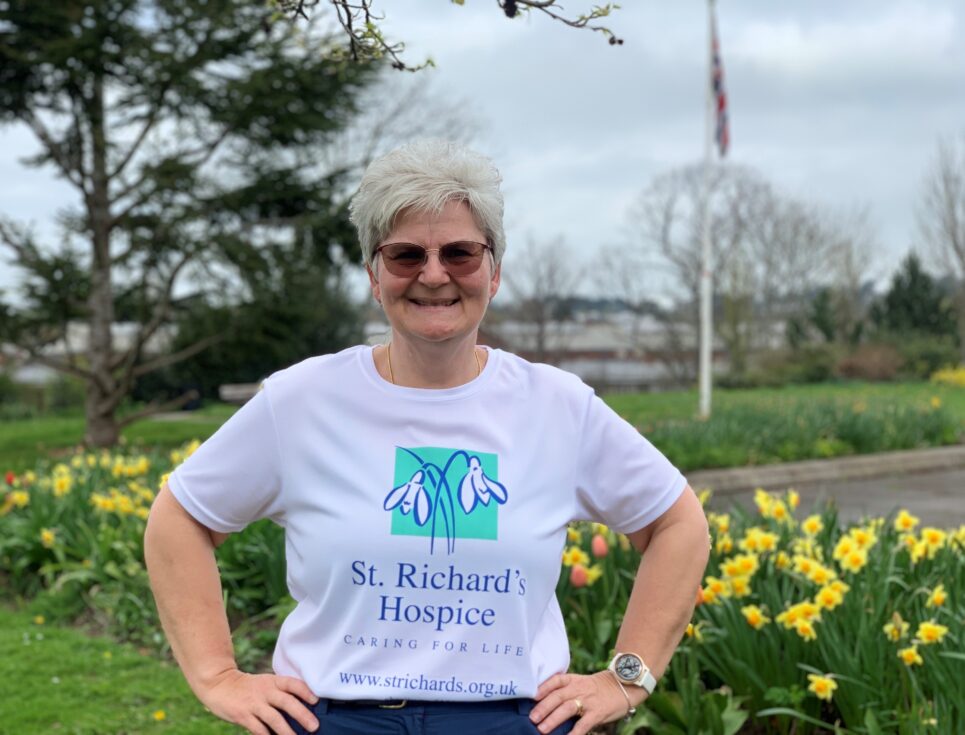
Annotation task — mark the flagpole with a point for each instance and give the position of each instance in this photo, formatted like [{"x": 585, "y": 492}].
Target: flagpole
[{"x": 706, "y": 262}]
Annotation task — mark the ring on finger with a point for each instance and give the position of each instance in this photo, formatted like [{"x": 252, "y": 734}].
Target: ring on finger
[{"x": 579, "y": 707}]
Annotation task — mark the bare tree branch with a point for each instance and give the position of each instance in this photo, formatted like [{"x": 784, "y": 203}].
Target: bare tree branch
[
  {"x": 156, "y": 407},
  {"x": 165, "y": 360}
]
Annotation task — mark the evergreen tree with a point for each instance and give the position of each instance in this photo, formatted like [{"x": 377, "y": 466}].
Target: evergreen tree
[
  {"x": 914, "y": 304},
  {"x": 189, "y": 130}
]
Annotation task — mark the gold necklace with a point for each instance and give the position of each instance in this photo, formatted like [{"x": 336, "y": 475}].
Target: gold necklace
[{"x": 388, "y": 357}]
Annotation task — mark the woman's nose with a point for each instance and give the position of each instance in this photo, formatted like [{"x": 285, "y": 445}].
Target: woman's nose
[{"x": 433, "y": 271}]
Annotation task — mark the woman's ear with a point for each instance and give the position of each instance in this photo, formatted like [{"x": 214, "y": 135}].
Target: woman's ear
[
  {"x": 494, "y": 281},
  {"x": 374, "y": 284}
]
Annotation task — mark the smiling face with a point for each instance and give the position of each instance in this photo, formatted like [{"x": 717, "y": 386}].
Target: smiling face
[{"x": 434, "y": 306}]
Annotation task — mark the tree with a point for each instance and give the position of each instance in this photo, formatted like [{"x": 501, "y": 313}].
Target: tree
[
  {"x": 360, "y": 23},
  {"x": 771, "y": 252},
  {"x": 188, "y": 130},
  {"x": 942, "y": 221},
  {"x": 914, "y": 304},
  {"x": 540, "y": 280}
]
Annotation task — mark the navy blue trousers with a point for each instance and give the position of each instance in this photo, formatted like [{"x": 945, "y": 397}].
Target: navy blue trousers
[{"x": 498, "y": 717}]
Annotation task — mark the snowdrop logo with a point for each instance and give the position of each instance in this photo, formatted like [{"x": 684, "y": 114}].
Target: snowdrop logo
[{"x": 445, "y": 494}]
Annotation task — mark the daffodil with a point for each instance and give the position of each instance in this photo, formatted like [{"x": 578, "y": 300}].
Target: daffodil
[
  {"x": 755, "y": 617},
  {"x": 937, "y": 597},
  {"x": 48, "y": 537},
  {"x": 62, "y": 485},
  {"x": 740, "y": 586},
  {"x": 782, "y": 560},
  {"x": 854, "y": 560},
  {"x": 716, "y": 587},
  {"x": 575, "y": 555},
  {"x": 693, "y": 631},
  {"x": 930, "y": 632},
  {"x": 704, "y": 495},
  {"x": 805, "y": 629},
  {"x": 828, "y": 598},
  {"x": 725, "y": 544},
  {"x": 910, "y": 656},
  {"x": 812, "y": 525},
  {"x": 793, "y": 498},
  {"x": 844, "y": 547},
  {"x": 573, "y": 535},
  {"x": 934, "y": 538},
  {"x": 593, "y": 573},
  {"x": 820, "y": 574},
  {"x": 896, "y": 629},
  {"x": 905, "y": 521},
  {"x": 822, "y": 686}
]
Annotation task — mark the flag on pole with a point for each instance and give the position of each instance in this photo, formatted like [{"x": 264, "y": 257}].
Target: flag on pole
[{"x": 722, "y": 135}]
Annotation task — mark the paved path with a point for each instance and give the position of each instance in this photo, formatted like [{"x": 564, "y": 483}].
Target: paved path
[{"x": 929, "y": 482}]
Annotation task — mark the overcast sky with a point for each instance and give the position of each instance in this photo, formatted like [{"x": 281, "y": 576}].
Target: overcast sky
[{"x": 835, "y": 103}]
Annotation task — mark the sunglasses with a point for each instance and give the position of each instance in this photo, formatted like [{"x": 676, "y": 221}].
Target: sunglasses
[{"x": 407, "y": 259}]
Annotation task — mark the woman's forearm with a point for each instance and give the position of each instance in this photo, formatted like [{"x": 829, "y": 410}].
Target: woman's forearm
[
  {"x": 179, "y": 554},
  {"x": 664, "y": 591}
]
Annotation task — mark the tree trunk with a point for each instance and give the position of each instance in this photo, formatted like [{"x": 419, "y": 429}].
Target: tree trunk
[
  {"x": 101, "y": 390},
  {"x": 961, "y": 321}
]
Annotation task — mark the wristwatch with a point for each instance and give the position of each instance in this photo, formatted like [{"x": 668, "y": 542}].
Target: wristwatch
[{"x": 629, "y": 668}]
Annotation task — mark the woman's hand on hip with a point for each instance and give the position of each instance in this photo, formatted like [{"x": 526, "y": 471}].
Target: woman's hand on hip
[
  {"x": 559, "y": 698},
  {"x": 256, "y": 701}
]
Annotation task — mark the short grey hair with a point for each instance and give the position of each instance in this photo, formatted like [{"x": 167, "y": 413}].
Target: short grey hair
[{"x": 425, "y": 176}]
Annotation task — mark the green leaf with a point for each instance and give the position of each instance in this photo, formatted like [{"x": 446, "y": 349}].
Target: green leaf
[
  {"x": 667, "y": 706},
  {"x": 871, "y": 722},
  {"x": 800, "y": 716},
  {"x": 604, "y": 629}
]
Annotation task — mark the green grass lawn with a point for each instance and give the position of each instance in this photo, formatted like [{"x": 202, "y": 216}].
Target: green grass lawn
[
  {"x": 665, "y": 417},
  {"x": 23, "y": 441},
  {"x": 57, "y": 679},
  {"x": 641, "y": 409}
]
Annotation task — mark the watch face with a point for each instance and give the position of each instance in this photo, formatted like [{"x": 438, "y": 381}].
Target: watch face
[{"x": 628, "y": 667}]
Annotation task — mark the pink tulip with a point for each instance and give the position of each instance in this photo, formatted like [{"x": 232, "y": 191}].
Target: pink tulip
[
  {"x": 599, "y": 546},
  {"x": 578, "y": 575}
]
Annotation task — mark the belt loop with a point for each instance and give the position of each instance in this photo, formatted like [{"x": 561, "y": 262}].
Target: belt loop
[
  {"x": 321, "y": 707},
  {"x": 525, "y": 706}
]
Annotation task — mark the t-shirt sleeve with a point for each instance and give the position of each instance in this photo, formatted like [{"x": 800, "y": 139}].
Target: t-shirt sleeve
[
  {"x": 235, "y": 477},
  {"x": 623, "y": 481}
]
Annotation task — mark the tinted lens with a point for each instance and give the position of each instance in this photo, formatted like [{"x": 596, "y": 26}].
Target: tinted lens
[
  {"x": 407, "y": 259},
  {"x": 461, "y": 258},
  {"x": 403, "y": 259}
]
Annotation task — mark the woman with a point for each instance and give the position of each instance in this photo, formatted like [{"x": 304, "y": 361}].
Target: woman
[{"x": 425, "y": 487}]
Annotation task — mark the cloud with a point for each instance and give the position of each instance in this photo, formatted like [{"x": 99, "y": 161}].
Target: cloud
[{"x": 907, "y": 40}]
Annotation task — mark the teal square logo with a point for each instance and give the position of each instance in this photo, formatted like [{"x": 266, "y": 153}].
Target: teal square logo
[{"x": 445, "y": 494}]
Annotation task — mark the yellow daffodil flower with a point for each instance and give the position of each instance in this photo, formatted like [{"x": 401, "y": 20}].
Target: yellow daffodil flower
[
  {"x": 805, "y": 629},
  {"x": 812, "y": 525},
  {"x": 930, "y": 632},
  {"x": 896, "y": 629},
  {"x": 755, "y": 617},
  {"x": 740, "y": 586},
  {"x": 905, "y": 521},
  {"x": 828, "y": 598},
  {"x": 822, "y": 686},
  {"x": 782, "y": 560},
  {"x": 910, "y": 656},
  {"x": 854, "y": 560},
  {"x": 48, "y": 537},
  {"x": 937, "y": 597}
]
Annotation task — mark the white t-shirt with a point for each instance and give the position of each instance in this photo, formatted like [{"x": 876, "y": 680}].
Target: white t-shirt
[{"x": 424, "y": 528}]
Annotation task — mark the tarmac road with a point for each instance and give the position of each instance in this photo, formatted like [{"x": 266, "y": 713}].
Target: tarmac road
[
  {"x": 930, "y": 483},
  {"x": 937, "y": 498}
]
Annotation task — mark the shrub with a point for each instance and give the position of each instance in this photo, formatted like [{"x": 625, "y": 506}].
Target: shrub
[
  {"x": 871, "y": 362},
  {"x": 950, "y": 376},
  {"x": 924, "y": 355}
]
